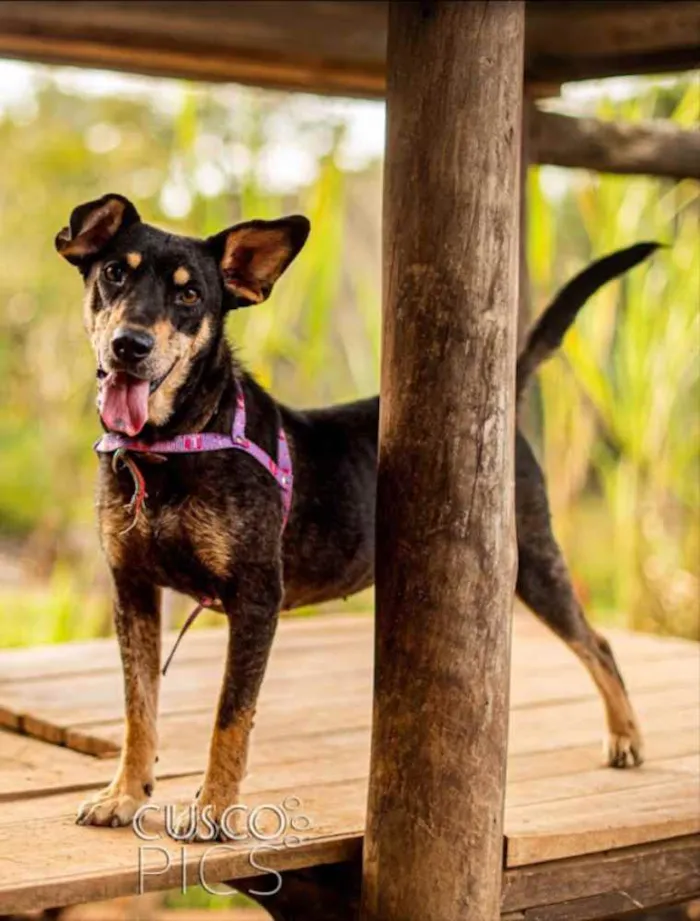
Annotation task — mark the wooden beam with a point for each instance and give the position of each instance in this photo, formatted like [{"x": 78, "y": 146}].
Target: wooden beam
[
  {"x": 337, "y": 46},
  {"x": 628, "y": 879},
  {"x": 61, "y": 35},
  {"x": 334, "y": 47},
  {"x": 583, "y": 40},
  {"x": 445, "y": 532},
  {"x": 653, "y": 148},
  {"x": 637, "y": 878}
]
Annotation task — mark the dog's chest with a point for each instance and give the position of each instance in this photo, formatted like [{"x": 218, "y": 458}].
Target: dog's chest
[{"x": 183, "y": 540}]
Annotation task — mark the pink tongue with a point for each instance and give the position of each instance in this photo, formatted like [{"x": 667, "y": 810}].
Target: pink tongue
[{"x": 124, "y": 403}]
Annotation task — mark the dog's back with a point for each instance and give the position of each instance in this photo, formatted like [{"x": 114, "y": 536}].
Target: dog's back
[{"x": 330, "y": 542}]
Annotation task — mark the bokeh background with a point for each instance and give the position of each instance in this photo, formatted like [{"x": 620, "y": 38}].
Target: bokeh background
[{"x": 614, "y": 418}]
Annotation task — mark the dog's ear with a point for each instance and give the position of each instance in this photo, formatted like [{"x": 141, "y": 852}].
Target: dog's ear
[
  {"x": 253, "y": 255},
  {"x": 92, "y": 226}
]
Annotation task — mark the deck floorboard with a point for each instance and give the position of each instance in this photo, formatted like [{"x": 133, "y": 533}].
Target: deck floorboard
[{"x": 60, "y": 706}]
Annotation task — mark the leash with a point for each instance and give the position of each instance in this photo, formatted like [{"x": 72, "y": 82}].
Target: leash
[
  {"x": 121, "y": 447},
  {"x": 121, "y": 458},
  {"x": 204, "y": 603}
]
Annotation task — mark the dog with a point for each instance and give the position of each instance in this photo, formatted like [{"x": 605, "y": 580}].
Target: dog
[{"x": 213, "y": 526}]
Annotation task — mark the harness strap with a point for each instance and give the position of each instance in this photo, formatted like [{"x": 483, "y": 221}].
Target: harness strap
[
  {"x": 200, "y": 442},
  {"x": 281, "y": 469}
]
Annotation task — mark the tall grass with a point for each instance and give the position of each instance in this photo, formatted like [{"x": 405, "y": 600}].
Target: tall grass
[
  {"x": 621, "y": 429},
  {"x": 615, "y": 413}
]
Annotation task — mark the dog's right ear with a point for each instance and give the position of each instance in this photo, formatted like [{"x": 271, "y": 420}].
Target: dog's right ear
[
  {"x": 253, "y": 255},
  {"x": 92, "y": 226}
]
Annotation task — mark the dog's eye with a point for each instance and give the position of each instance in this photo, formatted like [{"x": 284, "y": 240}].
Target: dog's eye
[
  {"x": 115, "y": 273},
  {"x": 188, "y": 296}
]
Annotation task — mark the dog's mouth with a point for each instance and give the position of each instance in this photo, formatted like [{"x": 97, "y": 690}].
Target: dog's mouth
[{"x": 123, "y": 399}]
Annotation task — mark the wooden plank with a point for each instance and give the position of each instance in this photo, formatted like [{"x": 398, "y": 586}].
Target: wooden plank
[
  {"x": 311, "y": 771},
  {"x": 603, "y": 821},
  {"x": 37, "y": 874},
  {"x": 336, "y": 47},
  {"x": 37, "y": 663},
  {"x": 39, "y": 871},
  {"x": 572, "y": 682},
  {"x": 328, "y": 630},
  {"x": 97, "y": 729},
  {"x": 648, "y": 894},
  {"x": 573, "y": 723},
  {"x": 312, "y": 740},
  {"x": 190, "y": 686},
  {"x": 41, "y": 706},
  {"x": 48, "y": 708},
  {"x": 667, "y": 864},
  {"x": 28, "y": 766},
  {"x": 532, "y": 731},
  {"x": 531, "y": 635},
  {"x": 661, "y": 745},
  {"x": 350, "y": 709},
  {"x": 543, "y": 791},
  {"x": 314, "y": 645},
  {"x": 31, "y": 768}
]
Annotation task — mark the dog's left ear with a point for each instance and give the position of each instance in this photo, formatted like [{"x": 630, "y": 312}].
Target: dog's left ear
[
  {"x": 253, "y": 255},
  {"x": 92, "y": 226}
]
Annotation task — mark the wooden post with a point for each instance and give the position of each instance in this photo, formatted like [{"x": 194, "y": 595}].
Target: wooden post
[
  {"x": 524, "y": 310},
  {"x": 445, "y": 534}
]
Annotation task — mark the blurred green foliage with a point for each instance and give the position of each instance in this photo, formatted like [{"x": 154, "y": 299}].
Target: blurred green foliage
[
  {"x": 615, "y": 416},
  {"x": 619, "y": 407}
]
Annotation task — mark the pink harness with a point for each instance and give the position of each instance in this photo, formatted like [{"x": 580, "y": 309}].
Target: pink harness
[
  {"x": 281, "y": 470},
  {"x": 111, "y": 442}
]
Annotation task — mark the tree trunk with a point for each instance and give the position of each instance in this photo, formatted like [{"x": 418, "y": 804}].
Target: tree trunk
[{"x": 445, "y": 535}]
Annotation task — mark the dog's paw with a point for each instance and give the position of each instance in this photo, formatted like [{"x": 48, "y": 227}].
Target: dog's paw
[
  {"x": 623, "y": 750},
  {"x": 207, "y": 819},
  {"x": 114, "y": 806}
]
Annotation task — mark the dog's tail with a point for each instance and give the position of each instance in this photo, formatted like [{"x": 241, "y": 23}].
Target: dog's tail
[{"x": 547, "y": 334}]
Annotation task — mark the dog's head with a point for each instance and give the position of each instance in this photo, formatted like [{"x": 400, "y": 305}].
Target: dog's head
[{"x": 155, "y": 302}]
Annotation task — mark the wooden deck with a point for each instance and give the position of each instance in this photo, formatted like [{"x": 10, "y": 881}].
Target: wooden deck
[{"x": 577, "y": 833}]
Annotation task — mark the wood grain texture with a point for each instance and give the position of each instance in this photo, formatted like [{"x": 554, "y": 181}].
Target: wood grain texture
[
  {"x": 312, "y": 741},
  {"x": 334, "y": 46},
  {"x": 445, "y": 534},
  {"x": 580, "y": 889},
  {"x": 656, "y": 148},
  {"x": 319, "y": 689},
  {"x": 635, "y": 877}
]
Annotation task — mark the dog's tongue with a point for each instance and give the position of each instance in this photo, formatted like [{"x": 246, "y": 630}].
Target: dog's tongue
[{"x": 124, "y": 403}]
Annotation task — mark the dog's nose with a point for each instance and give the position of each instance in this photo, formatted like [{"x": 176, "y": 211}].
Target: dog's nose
[{"x": 131, "y": 344}]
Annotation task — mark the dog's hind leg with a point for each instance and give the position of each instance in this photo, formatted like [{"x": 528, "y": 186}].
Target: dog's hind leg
[{"x": 545, "y": 586}]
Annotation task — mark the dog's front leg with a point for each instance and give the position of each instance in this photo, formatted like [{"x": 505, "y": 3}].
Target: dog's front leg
[
  {"x": 252, "y": 605},
  {"x": 137, "y": 621}
]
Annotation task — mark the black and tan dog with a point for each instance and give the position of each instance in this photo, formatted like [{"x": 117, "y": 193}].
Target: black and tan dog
[{"x": 154, "y": 308}]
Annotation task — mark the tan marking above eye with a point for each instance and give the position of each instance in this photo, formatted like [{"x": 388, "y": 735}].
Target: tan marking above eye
[
  {"x": 134, "y": 260},
  {"x": 181, "y": 275}
]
